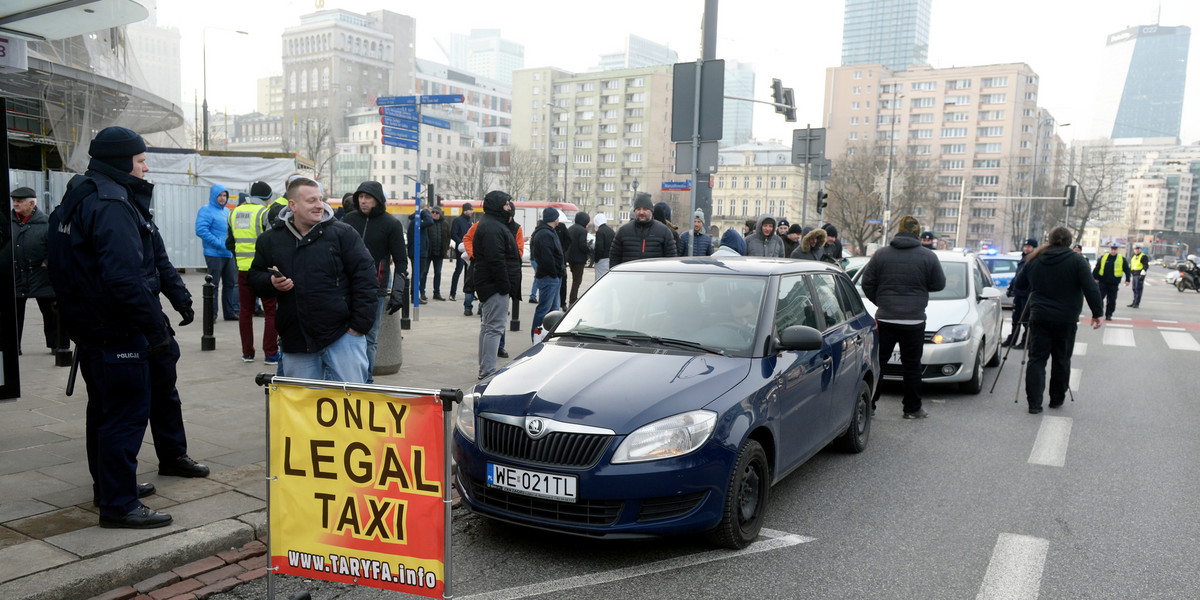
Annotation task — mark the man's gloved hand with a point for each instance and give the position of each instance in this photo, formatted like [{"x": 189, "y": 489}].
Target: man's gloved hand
[
  {"x": 1008, "y": 291},
  {"x": 396, "y": 301},
  {"x": 188, "y": 315},
  {"x": 400, "y": 283}
]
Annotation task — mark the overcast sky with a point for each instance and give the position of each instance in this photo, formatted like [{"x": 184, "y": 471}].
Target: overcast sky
[{"x": 1062, "y": 40}]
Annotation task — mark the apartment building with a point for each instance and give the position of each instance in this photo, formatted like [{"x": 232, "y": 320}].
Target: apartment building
[
  {"x": 974, "y": 129},
  {"x": 759, "y": 178},
  {"x": 599, "y": 133}
]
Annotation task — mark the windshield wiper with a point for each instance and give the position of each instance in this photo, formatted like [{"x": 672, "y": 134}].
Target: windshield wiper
[
  {"x": 583, "y": 335},
  {"x": 674, "y": 342}
]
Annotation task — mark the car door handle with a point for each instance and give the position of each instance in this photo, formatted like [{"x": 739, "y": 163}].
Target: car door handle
[{"x": 828, "y": 362}]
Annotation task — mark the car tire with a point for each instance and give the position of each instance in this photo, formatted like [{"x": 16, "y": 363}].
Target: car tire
[
  {"x": 745, "y": 499},
  {"x": 854, "y": 440},
  {"x": 975, "y": 384},
  {"x": 994, "y": 361}
]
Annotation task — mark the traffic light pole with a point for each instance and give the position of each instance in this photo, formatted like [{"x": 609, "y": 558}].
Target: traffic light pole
[{"x": 708, "y": 51}]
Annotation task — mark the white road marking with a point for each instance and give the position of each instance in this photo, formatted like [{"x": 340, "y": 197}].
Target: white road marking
[
  {"x": 1177, "y": 340},
  {"x": 1015, "y": 570},
  {"x": 1161, "y": 321},
  {"x": 1080, "y": 349},
  {"x": 1118, "y": 337},
  {"x": 1171, "y": 329},
  {"x": 775, "y": 540},
  {"x": 1125, "y": 325},
  {"x": 1050, "y": 447},
  {"x": 1073, "y": 382}
]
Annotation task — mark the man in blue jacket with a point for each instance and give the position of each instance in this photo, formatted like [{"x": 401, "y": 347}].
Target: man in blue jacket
[
  {"x": 547, "y": 253},
  {"x": 100, "y": 251},
  {"x": 212, "y": 226}
]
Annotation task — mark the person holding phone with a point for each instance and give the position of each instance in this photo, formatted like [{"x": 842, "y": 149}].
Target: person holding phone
[{"x": 323, "y": 277}]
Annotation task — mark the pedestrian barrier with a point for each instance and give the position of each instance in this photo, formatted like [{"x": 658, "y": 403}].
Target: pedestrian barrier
[{"x": 355, "y": 475}]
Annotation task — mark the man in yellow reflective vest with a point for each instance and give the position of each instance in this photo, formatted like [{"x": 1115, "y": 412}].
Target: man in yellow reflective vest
[
  {"x": 1109, "y": 270},
  {"x": 245, "y": 225},
  {"x": 1139, "y": 264}
]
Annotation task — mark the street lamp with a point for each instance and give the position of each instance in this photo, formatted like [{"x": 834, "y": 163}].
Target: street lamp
[
  {"x": 204, "y": 62},
  {"x": 887, "y": 210}
]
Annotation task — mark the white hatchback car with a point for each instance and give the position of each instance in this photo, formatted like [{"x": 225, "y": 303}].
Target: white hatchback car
[{"x": 962, "y": 328}]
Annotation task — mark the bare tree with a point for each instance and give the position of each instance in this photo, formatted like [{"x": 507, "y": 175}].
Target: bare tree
[
  {"x": 467, "y": 177},
  {"x": 527, "y": 174},
  {"x": 1097, "y": 176},
  {"x": 313, "y": 139},
  {"x": 858, "y": 193}
]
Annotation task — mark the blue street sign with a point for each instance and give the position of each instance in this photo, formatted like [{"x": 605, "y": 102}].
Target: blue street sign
[
  {"x": 426, "y": 99},
  {"x": 394, "y": 100},
  {"x": 401, "y": 134},
  {"x": 444, "y": 124},
  {"x": 441, "y": 99},
  {"x": 388, "y": 141},
  {"x": 403, "y": 112},
  {"x": 677, "y": 185},
  {"x": 409, "y": 124}
]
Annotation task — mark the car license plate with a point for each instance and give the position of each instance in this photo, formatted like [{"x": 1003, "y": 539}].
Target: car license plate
[
  {"x": 532, "y": 483},
  {"x": 895, "y": 359}
]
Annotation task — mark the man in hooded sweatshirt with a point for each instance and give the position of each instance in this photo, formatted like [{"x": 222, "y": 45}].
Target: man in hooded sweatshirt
[
  {"x": 604, "y": 240},
  {"x": 812, "y": 247},
  {"x": 732, "y": 244},
  {"x": 764, "y": 242},
  {"x": 497, "y": 274},
  {"x": 212, "y": 227},
  {"x": 547, "y": 254},
  {"x": 577, "y": 251},
  {"x": 1057, "y": 281},
  {"x": 384, "y": 237},
  {"x": 327, "y": 288},
  {"x": 643, "y": 237},
  {"x": 898, "y": 279}
]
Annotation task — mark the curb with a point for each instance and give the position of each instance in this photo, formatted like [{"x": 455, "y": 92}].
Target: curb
[{"x": 93, "y": 576}]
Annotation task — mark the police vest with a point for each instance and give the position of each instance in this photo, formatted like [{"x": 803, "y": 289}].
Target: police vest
[
  {"x": 1118, "y": 270},
  {"x": 246, "y": 223},
  {"x": 1136, "y": 263},
  {"x": 266, "y": 214}
]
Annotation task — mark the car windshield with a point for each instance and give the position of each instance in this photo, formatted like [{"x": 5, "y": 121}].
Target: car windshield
[
  {"x": 719, "y": 312},
  {"x": 956, "y": 282}
]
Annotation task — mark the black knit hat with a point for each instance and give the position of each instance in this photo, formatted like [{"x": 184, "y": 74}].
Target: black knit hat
[
  {"x": 643, "y": 200},
  {"x": 116, "y": 147},
  {"x": 261, "y": 190},
  {"x": 549, "y": 214}
]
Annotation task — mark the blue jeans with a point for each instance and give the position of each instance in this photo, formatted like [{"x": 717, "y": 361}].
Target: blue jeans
[
  {"x": 225, "y": 284},
  {"x": 547, "y": 290},
  {"x": 533, "y": 292},
  {"x": 373, "y": 339},
  {"x": 343, "y": 360}
]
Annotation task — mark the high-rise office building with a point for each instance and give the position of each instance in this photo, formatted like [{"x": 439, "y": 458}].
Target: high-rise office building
[
  {"x": 638, "y": 52},
  {"x": 738, "y": 119},
  {"x": 486, "y": 54},
  {"x": 893, "y": 33},
  {"x": 1142, "y": 82}
]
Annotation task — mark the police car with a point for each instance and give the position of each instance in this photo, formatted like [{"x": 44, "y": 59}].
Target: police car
[{"x": 1003, "y": 268}]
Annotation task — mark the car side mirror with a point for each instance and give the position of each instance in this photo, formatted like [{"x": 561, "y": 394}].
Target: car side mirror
[
  {"x": 990, "y": 293},
  {"x": 552, "y": 319},
  {"x": 800, "y": 337}
]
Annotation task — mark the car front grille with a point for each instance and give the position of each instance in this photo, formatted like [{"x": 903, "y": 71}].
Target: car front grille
[
  {"x": 558, "y": 449},
  {"x": 659, "y": 509},
  {"x": 583, "y": 512}
]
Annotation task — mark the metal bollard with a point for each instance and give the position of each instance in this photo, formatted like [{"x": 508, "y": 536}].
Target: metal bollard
[
  {"x": 208, "y": 341},
  {"x": 405, "y": 318},
  {"x": 62, "y": 343}
]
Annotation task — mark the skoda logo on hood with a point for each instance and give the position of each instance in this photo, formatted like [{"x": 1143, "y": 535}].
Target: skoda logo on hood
[{"x": 536, "y": 428}]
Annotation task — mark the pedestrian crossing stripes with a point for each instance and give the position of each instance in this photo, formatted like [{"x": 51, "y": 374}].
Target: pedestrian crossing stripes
[
  {"x": 1118, "y": 337},
  {"x": 1080, "y": 349},
  {"x": 1178, "y": 340}
]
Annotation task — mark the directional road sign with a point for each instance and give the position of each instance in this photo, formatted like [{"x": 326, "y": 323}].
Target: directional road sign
[
  {"x": 426, "y": 99},
  {"x": 433, "y": 122},
  {"x": 390, "y": 141},
  {"x": 409, "y": 124},
  {"x": 403, "y": 112},
  {"x": 402, "y": 134}
]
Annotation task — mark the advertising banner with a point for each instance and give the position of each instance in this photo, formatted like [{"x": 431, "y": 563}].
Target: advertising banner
[{"x": 356, "y": 488}]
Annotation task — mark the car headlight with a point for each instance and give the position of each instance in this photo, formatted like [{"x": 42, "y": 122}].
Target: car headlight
[
  {"x": 464, "y": 417},
  {"x": 952, "y": 333},
  {"x": 667, "y": 438}
]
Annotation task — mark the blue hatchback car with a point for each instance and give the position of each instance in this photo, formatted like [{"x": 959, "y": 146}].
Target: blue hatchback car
[{"x": 670, "y": 398}]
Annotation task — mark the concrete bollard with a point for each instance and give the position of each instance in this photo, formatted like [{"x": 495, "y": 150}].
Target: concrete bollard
[{"x": 388, "y": 354}]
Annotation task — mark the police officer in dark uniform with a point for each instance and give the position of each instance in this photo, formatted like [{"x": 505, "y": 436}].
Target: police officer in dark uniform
[{"x": 101, "y": 257}]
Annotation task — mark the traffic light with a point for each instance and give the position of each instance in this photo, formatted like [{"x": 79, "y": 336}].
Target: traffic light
[
  {"x": 789, "y": 98},
  {"x": 777, "y": 94},
  {"x": 1069, "y": 195},
  {"x": 821, "y": 203},
  {"x": 430, "y": 196}
]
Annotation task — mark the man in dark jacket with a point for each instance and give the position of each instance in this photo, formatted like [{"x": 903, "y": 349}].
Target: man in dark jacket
[
  {"x": 497, "y": 274},
  {"x": 643, "y": 237},
  {"x": 833, "y": 246},
  {"x": 32, "y": 280},
  {"x": 458, "y": 228},
  {"x": 1020, "y": 319},
  {"x": 1109, "y": 270},
  {"x": 604, "y": 240},
  {"x": 1057, "y": 281},
  {"x": 327, "y": 287},
  {"x": 384, "y": 237},
  {"x": 101, "y": 258},
  {"x": 439, "y": 245},
  {"x": 546, "y": 251},
  {"x": 704, "y": 245},
  {"x": 577, "y": 251},
  {"x": 564, "y": 238},
  {"x": 426, "y": 243},
  {"x": 898, "y": 279}
]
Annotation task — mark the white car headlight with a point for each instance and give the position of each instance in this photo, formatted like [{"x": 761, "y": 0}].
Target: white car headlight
[
  {"x": 667, "y": 438},
  {"x": 464, "y": 417},
  {"x": 952, "y": 333}
]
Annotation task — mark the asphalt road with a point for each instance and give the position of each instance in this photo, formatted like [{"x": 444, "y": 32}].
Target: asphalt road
[{"x": 1098, "y": 499}]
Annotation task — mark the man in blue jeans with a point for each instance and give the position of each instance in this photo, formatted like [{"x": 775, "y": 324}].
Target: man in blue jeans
[
  {"x": 458, "y": 228},
  {"x": 546, "y": 253}
]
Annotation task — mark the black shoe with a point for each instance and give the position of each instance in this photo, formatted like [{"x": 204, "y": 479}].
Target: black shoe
[
  {"x": 1033, "y": 410},
  {"x": 1131, "y": 305},
  {"x": 424, "y": 298},
  {"x": 452, "y": 298},
  {"x": 258, "y": 312},
  {"x": 144, "y": 489},
  {"x": 1107, "y": 317},
  {"x": 231, "y": 318},
  {"x": 502, "y": 353},
  {"x": 533, "y": 300},
  {"x": 183, "y": 466},
  {"x": 439, "y": 297},
  {"x": 920, "y": 413},
  {"x": 467, "y": 313},
  {"x": 1056, "y": 403},
  {"x": 1007, "y": 342},
  {"x": 1020, "y": 346},
  {"x": 139, "y": 518}
]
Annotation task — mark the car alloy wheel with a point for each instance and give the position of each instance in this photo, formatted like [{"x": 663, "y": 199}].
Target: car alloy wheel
[
  {"x": 859, "y": 430},
  {"x": 745, "y": 498},
  {"x": 975, "y": 384}
]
